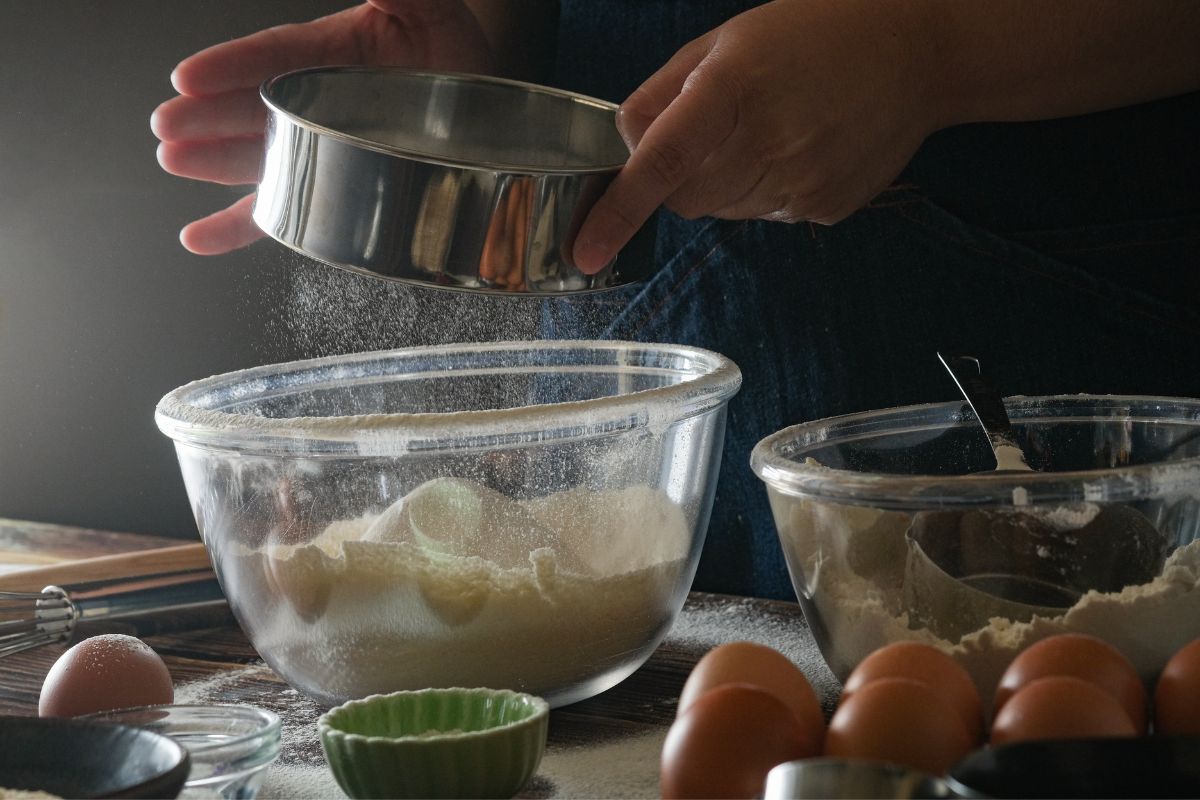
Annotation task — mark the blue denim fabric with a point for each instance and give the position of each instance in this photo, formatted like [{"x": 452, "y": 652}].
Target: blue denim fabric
[{"x": 1063, "y": 254}]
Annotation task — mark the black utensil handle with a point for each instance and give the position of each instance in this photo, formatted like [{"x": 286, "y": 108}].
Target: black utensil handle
[{"x": 983, "y": 398}]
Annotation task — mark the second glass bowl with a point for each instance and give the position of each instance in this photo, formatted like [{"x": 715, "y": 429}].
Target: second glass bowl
[{"x": 896, "y": 525}]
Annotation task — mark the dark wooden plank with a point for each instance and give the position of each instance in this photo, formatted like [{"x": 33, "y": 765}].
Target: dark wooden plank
[
  {"x": 190, "y": 656},
  {"x": 224, "y": 645},
  {"x": 21, "y": 677}
]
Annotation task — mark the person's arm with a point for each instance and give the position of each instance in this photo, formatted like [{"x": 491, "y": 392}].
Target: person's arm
[
  {"x": 212, "y": 131},
  {"x": 1038, "y": 59},
  {"x": 806, "y": 109}
]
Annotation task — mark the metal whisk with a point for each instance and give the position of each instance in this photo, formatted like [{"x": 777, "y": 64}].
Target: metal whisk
[
  {"x": 140, "y": 604},
  {"x": 53, "y": 619}
]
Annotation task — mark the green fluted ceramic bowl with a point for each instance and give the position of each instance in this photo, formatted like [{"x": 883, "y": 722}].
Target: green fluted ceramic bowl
[{"x": 436, "y": 743}]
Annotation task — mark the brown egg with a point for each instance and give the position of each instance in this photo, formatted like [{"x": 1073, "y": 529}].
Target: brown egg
[
  {"x": 928, "y": 665},
  {"x": 761, "y": 666},
  {"x": 1060, "y": 707},
  {"x": 1081, "y": 656},
  {"x": 900, "y": 721},
  {"x": 105, "y": 673},
  {"x": 727, "y": 741},
  {"x": 1177, "y": 695}
]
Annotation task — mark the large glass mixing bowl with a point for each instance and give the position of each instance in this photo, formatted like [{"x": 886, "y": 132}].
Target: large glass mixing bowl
[
  {"x": 896, "y": 525},
  {"x": 522, "y": 515}
]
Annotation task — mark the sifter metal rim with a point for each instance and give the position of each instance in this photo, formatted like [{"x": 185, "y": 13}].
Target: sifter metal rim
[{"x": 269, "y": 90}]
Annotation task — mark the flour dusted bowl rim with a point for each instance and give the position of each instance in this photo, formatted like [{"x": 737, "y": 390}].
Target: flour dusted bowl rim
[
  {"x": 216, "y": 413},
  {"x": 782, "y": 460}
]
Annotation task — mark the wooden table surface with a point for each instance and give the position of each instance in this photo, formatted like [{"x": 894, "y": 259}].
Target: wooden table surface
[{"x": 606, "y": 746}]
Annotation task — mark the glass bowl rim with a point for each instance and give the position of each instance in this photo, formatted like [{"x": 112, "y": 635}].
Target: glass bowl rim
[
  {"x": 889, "y": 490},
  {"x": 178, "y": 416},
  {"x": 270, "y": 723}
]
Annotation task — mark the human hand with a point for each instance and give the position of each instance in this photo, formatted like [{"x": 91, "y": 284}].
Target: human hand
[
  {"x": 213, "y": 130},
  {"x": 795, "y": 110}
]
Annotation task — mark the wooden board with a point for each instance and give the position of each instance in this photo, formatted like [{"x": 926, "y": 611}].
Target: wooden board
[{"x": 38, "y": 543}]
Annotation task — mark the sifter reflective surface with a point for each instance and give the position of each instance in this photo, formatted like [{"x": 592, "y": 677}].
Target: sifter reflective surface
[{"x": 456, "y": 181}]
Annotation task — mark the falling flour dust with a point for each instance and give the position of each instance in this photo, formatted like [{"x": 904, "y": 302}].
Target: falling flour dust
[{"x": 322, "y": 311}]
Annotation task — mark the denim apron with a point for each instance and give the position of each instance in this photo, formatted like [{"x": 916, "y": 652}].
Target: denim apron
[{"x": 1062, "y": 253}]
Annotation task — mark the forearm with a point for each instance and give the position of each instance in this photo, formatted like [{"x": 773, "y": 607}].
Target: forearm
[
  {"x": 522, "y": 34},
  {"x": 1009, "y": 60}
]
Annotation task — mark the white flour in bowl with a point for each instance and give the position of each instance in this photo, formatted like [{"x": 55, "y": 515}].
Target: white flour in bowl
[
  {"x": 456, "y": 585},
  {"x": 853, "y": 558}
]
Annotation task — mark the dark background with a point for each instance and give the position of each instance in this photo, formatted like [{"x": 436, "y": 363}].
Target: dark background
[{"x": 101, "y": 310}]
